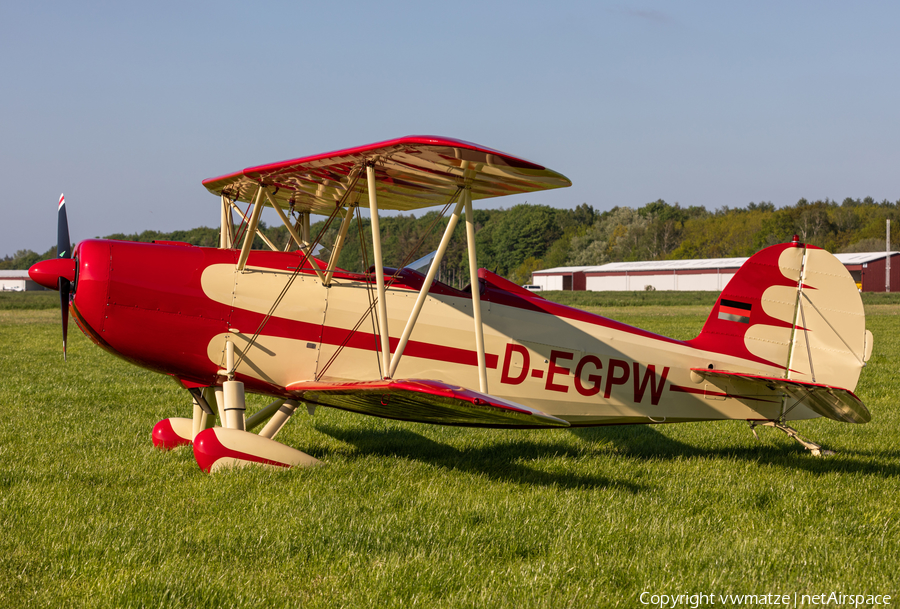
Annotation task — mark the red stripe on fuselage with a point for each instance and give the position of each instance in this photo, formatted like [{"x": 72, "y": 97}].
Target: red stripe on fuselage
[
  {"x": 146, "y": 302},
  {"x": 280, "y": 327}
]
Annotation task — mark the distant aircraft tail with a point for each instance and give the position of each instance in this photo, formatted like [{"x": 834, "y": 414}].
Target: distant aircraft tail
[{"x": 794, "y": 307}]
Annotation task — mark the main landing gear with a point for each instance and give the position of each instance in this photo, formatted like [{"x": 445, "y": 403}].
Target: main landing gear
[
  {"x": 233, "y": 445},
  {"x": 815, "y": 449}
]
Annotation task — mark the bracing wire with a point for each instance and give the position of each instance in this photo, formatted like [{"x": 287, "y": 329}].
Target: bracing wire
[
  {"x": 370, "y": 312},
  {"x": 306, "y": 256},
  {"x": 244, "y": 225}
]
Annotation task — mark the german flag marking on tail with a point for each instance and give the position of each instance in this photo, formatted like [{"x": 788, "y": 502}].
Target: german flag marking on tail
[{"x": 734, "y": 310}]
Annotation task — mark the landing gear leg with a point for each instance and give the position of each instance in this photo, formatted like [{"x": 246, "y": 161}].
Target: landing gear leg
[
  {"x": 177, "y": 431},
  {"x": 815, "y": 449},
  {"x": 204, "y": 417}
]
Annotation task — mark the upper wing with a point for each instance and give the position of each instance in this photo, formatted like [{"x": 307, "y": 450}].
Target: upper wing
[
  {"x": 411, "y": 172},
  {"x": 424, "y": 401},
  {"x": 831, "y": 402}
]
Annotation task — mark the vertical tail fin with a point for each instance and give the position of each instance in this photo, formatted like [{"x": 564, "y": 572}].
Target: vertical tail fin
[{"x": 792, "y": 311}]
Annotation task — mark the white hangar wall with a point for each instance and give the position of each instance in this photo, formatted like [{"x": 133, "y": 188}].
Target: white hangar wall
[
  {"x": 17, "y": 281},
  {"x": 666, "y": 275},
  {"x": 629, "y": 282},
  {"x": 548, "y": 282},
  {"x": 868, "y": 270}
]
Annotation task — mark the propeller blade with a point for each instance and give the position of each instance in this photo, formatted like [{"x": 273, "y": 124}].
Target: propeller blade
[
  {"x": 59, "y": 273},
  {"x": 63, "y": 247},
  {"x": 64, "y": 288},
  {"x": 63, "y": 250}
]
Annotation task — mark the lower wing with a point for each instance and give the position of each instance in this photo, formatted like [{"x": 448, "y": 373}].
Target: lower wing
[{"x": 424, "y": 401}]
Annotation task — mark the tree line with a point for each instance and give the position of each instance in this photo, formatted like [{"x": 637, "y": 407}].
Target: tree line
[{"x": 515, "y": 242}]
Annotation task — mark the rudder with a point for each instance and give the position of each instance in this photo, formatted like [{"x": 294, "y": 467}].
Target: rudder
[{"x": 795, "y": 308}]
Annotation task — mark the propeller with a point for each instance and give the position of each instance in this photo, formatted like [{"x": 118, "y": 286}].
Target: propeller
[
  {"x": 59, "y": 274},
  {"x": 63, "y": 250}
]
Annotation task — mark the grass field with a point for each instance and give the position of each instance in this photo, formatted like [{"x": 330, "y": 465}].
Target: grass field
[
  {"x": 50, "y": 299},
  {"x": 91, "y": 515},
  {"x": 670, "y": 298},
  {"x": 17, "y": 301}
]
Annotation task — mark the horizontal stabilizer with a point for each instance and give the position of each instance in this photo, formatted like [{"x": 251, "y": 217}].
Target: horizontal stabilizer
[
  {"x": 830, "y": 402},
  {"x": 424, "y": 401}
]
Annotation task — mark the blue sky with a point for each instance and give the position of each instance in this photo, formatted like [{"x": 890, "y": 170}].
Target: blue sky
[{"x": 126, "y": 107}]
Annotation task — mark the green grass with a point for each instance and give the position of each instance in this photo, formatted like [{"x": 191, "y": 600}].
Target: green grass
[
  {"x": 402, "y": 514},
  {"x": 50, "y": 299},
  {"x": 871, "y": 298},
  {"x": 670, "y": 298},
  {"x": 631, "y": 299},
  {"x": 13, "y": 301}
]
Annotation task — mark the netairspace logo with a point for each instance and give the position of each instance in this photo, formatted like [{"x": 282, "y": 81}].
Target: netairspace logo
[{"x": 694, "y": 601}]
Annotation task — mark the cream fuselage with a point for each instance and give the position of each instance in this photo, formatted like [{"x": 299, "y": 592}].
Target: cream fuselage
[
  {"x": 583, "y": 368},
  {"x": 172, "y": 309}
]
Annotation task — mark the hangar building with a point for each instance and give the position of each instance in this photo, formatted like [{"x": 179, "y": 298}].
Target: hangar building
[
  {"x": 17, "y": 281},
  {"x": 711, "y": 274},
  {"x": 561, "y": 278}
]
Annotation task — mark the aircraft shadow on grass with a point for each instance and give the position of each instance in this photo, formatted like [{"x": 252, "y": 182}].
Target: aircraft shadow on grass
[
  {"x": 643, "y": 441},
  {"x": 503, "y": 460},
  {"x": 500, "y": 461}
]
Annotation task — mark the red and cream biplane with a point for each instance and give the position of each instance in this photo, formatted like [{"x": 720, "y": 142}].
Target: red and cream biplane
[{"x": 785, "y": 341}]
